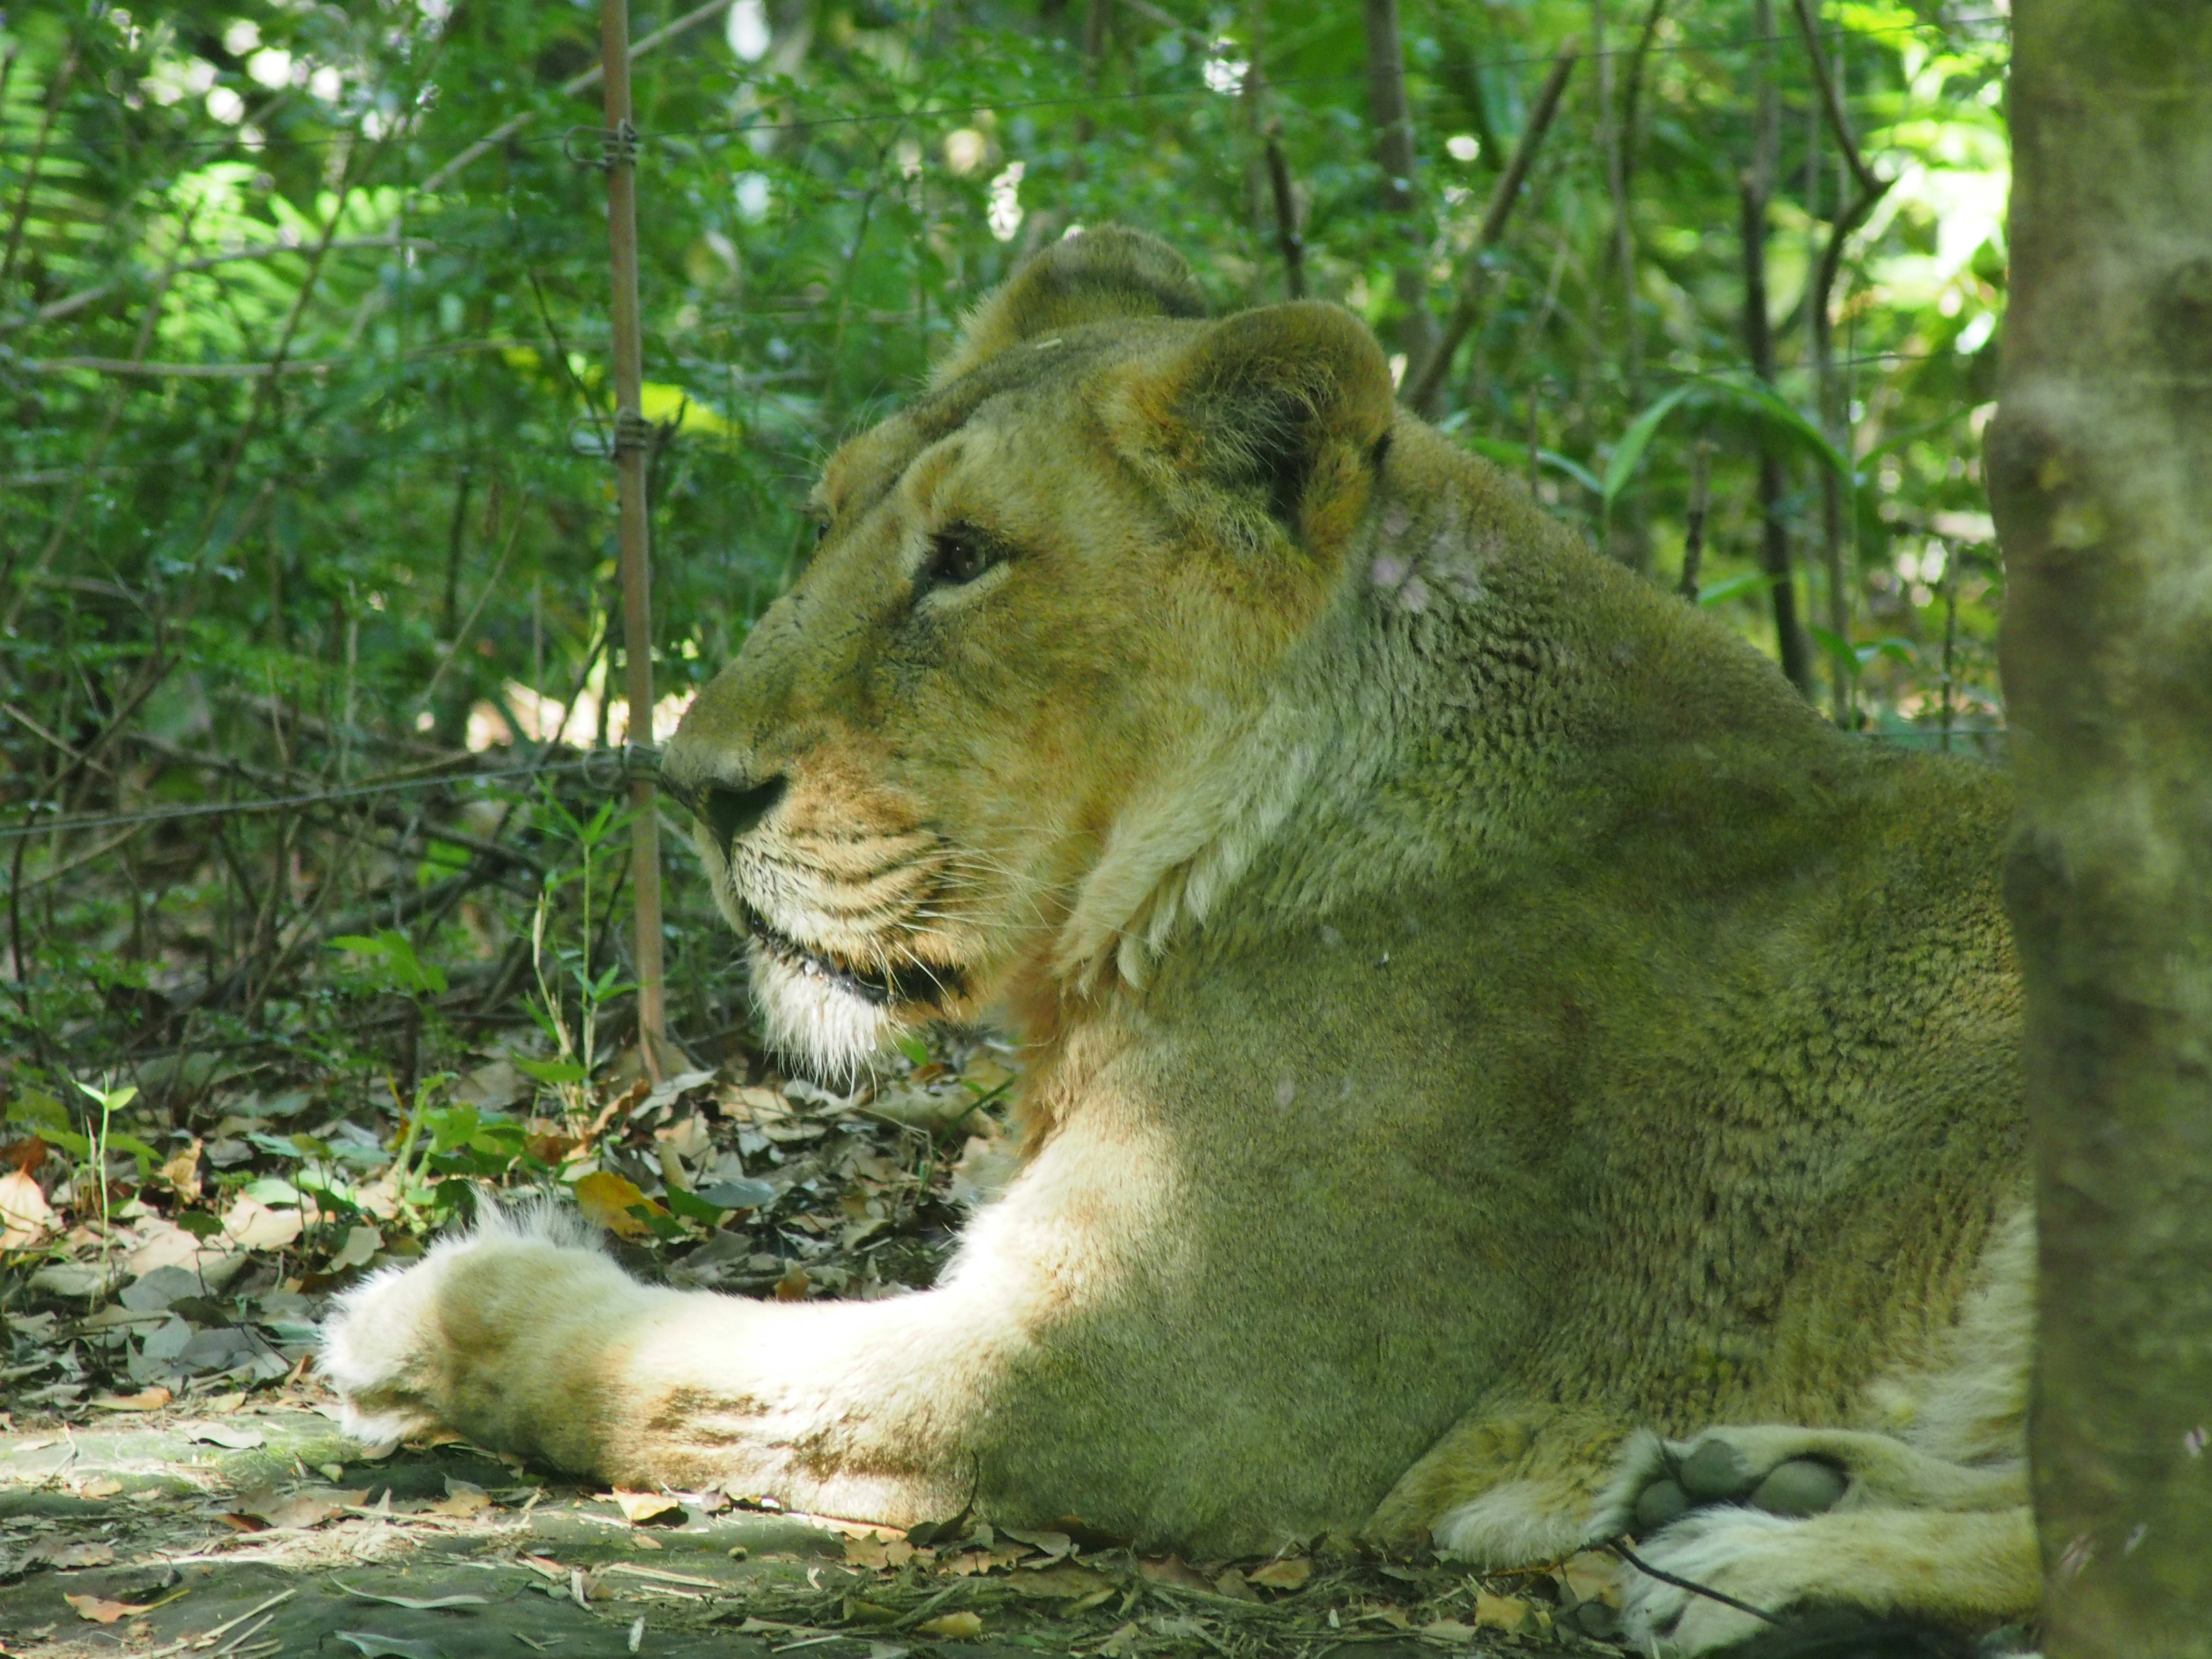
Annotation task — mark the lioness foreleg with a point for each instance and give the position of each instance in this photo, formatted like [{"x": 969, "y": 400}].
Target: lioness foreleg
[
  {"x": 1963, "y": 1568},
  {"x": 526, "y": 1339},
  {"x": 1787, "y": 1519}
]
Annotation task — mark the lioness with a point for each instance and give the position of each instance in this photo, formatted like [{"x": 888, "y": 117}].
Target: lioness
[{"x": 1487, "y": 1038}]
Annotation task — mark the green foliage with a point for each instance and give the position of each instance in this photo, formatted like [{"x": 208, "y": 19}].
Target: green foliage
[{"x": 396, "y": 558}]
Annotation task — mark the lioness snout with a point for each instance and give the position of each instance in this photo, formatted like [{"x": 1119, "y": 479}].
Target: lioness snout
[{"x": 732, "y": 810}]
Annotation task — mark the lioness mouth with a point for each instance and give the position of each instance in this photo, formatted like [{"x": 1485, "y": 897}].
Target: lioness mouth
[{"x": 909, "y": 982}]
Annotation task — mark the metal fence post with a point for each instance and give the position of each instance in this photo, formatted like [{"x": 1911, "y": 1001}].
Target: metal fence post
[{"x": 632, "y": 437}]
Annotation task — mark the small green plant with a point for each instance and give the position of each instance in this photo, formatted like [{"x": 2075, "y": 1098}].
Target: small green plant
[{"x": 568, "y": 1073}]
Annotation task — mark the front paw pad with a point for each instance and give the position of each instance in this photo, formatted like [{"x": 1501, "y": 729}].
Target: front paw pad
[{"x": 1711, "y": 1470}]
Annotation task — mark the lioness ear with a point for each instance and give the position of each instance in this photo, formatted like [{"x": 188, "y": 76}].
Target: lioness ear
[
  {"x": 1108, "y": 271},
  {"x": 1289, "y": 406}
]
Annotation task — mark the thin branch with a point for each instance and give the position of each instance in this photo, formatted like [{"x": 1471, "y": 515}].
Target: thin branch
[
  {"x": 1468, "y": 305},
  {"x": 584, "y": 82},
  {"x": 1831, "y": 97},
  {"x": 69, "y": 304},
  {"x": 129, "y": 367},
  {"x": 1287, "y": 239}
]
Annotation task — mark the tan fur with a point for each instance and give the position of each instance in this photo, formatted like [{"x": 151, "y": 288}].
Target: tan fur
[{"x": 1485, "y": 1034}]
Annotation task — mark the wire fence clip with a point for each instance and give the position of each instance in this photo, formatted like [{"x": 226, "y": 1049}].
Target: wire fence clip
[{"x": 601, "y": 147}]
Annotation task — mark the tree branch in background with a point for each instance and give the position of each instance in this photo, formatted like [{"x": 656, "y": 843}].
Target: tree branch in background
[
  {"x": 1632, "y": 103},
  {"x": 1287, "y": 239},
  {"x": 69, "y": 304},
  {"x": 1416, "y": 332},
  {"x": 1693, "y": 518},
  {"x": 1757, "y": 189},
  {"x": 1623, "y": 233},
  {"x": 1821, "y": 309},
  {"x": 2101, "y": 474},
  {"x": 1423, "y": 382}
]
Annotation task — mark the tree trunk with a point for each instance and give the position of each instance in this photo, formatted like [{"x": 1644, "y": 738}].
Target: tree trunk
[
  {"x": 1416, "y": 332},
  {"x": 2101, "y": 477}
]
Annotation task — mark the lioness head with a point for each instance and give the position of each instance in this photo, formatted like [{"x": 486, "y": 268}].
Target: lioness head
[{"x": 1039, "y": 594}]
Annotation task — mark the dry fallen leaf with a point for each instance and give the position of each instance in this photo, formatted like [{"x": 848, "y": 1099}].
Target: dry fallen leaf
[
  {"x": 606, "y": 1199},
  {"x": 1171, "y": 1570},
  {"x": 100, "y": 1554},
  {"x": 360, "y": 1243},
  {"x": 252, "y": 1225},
  {"x": 1505, "y": 1612},
  {"x": 25, "y": 1216},
  {"x": 1286, "y": 1575},
  {"x": 1592, "y": 1575},
  {"x": 182, "y": 1172},
  {"x": 877, "y": 1551},
  {"x": 1231, "y": 1584},
  {"x": 1054, "y": 1544},
  {"x": 104, "y": 1486},
  {"x": 463, "y": 1498},
  {"x": 951, "y": 1626},
  {"x": 308, "y": 1508},
  {"x": 639, "y": 1507},
  {"x": 100, "y": 1611},
  {"x": 235, "y": 1435},
  {"x": 146, "y": 1400},
  {"x": 792, "y": 1287},
  {"x": 1062, "y": 1581},
  {"x": 1449, "y": 1631}
]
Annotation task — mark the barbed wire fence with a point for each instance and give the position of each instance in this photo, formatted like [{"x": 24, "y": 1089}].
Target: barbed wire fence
[{"x": 105, "y": 643}]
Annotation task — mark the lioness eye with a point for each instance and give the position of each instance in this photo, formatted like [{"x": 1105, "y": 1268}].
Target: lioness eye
[{"x": 958, "y": 553}]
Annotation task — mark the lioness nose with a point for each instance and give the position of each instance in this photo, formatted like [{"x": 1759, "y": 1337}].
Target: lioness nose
[{"x": 730, "y": 811}]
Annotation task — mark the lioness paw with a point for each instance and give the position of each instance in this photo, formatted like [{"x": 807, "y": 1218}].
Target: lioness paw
[{"x": 386, "y": 1348}]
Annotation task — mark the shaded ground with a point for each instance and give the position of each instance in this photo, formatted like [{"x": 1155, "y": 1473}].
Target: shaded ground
[
  {"x": 171, "y": 1482},
  {"x": 142, "y": 1534}
]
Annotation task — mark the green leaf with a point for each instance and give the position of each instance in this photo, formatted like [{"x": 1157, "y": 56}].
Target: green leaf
[
  {"x": 1735, "y": 587},
  {"x": 200, "y": 1225},
  {"x": 396, "y": 952},
  {"x": 147, "y": 1157},
  {"x": 693, "y": 1208},
  {"x": 34, "y": 1106},
  {"x": 552, "y": 1071},
  {"x": 1838, "y": 648},
  {"x": 75, "y": 1144},
  {"x": 913, "y": 1048},
  {"x": 1634, "y": 442},
  {"x": 272, "y": 1190}
]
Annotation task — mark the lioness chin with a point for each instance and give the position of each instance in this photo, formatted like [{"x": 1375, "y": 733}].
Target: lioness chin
[{"x": 1500, "y": 1070}]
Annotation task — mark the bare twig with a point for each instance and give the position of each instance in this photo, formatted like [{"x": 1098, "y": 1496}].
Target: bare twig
[{"x": 1430, "y": 374}]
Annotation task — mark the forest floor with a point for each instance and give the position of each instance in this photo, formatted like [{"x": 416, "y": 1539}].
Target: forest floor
[{"x": 173, "y": 1482}]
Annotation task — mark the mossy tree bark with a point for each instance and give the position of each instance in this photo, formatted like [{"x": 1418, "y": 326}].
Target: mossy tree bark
[{"x": 2101, "y": 476}]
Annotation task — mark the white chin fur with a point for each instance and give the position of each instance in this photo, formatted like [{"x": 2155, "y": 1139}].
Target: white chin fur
[{"x": 823, "y": 1028}]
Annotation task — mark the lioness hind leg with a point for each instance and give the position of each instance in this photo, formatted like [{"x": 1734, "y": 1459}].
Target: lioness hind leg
[{"x": 1510, "y": 1485}]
